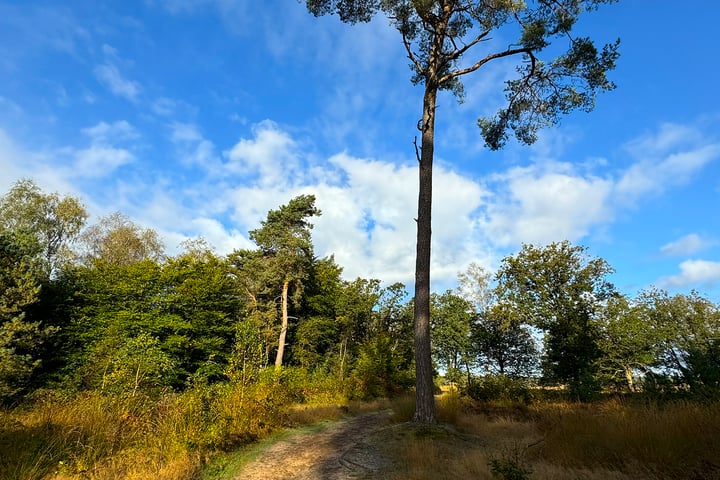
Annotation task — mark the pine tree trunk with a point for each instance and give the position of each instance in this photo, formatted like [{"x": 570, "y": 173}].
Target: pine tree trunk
[
  {"x": 424, "y": 386},
  {"x": 284, "y": 327}
]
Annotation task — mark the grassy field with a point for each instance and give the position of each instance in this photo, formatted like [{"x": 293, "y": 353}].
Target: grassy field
[
  {"x": 611, "y": 439},
  {"x": 183, "y": 436}
]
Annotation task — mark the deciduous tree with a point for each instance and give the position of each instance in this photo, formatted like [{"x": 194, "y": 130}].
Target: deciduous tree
[
  {"x": 502, "y": 345},
  {"x": 628, "y": 340},
  {"x": 559, "y": 289},
  {"x": 52, "y": 221},
  {"x": 117, "y": 240},
  {"x": 688, "y": 329},
  {"x": 451, "y": 326}
]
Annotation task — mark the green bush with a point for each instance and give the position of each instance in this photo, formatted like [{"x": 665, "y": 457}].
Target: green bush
[
  {"x": 378, "y": 373},
  {"x": 500, "y": 388}
]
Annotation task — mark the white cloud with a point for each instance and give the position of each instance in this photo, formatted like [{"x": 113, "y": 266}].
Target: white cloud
[
  {"x": 545, "y": 204},
  {"x": 686, "y": 245},
  {"x": 17, "y": 162},
  {"x": 109, "y": 75},
  {"x": 271, "y": 157},
  {"x": 693, "y": 273},
  {"x": 218, "y": 236},
  {"x": 368, "y": 204},
  {"x": 668, "y": 137},
  {"x": 103, "y": 156}
]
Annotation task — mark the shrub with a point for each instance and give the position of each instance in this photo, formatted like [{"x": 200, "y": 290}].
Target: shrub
[{"x": 500, "y": 388}]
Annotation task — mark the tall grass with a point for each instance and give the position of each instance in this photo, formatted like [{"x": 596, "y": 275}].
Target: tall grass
[
  {"x": 607, "y": 440},
  {"x": 676, "y": 440},
  {"x": 100, "y": 437},
  {"x": 92, "y": 436}
]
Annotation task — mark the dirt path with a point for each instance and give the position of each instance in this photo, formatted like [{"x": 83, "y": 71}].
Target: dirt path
[{"x": 342, "y": 452}]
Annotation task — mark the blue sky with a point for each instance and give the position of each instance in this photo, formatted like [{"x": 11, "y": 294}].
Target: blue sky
[{"x": 197, "y": 117}]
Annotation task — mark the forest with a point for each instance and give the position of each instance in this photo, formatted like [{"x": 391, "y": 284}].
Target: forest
[{"x": 209, "y": 352}]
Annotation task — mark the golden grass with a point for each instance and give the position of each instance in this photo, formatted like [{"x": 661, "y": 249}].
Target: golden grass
[
  {"x": 101, "y": 438},
  {"x": 610, "y": 440}
]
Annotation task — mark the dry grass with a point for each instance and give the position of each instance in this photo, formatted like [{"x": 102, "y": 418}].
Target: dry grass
[
  {"x": 93, "y": 437},
  {"x": 678, "y": 440},
  {"x": 101, "y": 438},
  {"x": 610, "y": 440}
]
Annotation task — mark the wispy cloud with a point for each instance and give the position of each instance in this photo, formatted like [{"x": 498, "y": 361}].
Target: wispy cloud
[
  {"x": 193, "y": 148},
  {"x": 103, "y": 132},
  {"x": 109, "y": 75},
  {"x": 105, "y": 153},
  {"x": 668, "y": 158},
  {"x": 686, "y": 245}
]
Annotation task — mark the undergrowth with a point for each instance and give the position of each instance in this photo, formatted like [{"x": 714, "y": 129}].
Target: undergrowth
[{"x": 168, "y": 437}]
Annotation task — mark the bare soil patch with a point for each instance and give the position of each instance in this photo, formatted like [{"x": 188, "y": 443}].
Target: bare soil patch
[{"x": 344, "y": 451}]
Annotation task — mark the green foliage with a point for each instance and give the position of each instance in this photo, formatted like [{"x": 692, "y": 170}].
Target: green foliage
[
  {"x": 188, "y": 304},
  {"x": 48, "y": 221},
  {"x": 377, "y": 373},
  {"x": 19, "y": 345},
  {"x": 502, "y": 345},
  {"x": 500, "y": 388},
  {"x": 316, "y": 339},
  {"x": 138, "y": 363},
  {"x": 628, "y": 342},
  {"x": 19, "y": 286},
  {"x": 508, "y": 469},
  {"x": 450, "y": 324},
  {"x": 703, "y": 369},
  {"x": 560, "y": 290},
  {"x": 20, "y": 340},
  {"x": 247, "y": 358},
  {"x": 117, "y": 240}
]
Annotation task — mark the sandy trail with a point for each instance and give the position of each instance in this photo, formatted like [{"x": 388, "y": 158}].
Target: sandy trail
[{"x": 342, "y": 452}]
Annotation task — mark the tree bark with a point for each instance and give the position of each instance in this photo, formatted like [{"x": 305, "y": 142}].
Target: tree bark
[
  {"x": 284, "y": 327},
  {"x": 424, "y": 386}
]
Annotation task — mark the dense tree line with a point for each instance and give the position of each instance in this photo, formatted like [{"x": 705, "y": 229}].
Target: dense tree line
[{"x": 102, "y": 307}]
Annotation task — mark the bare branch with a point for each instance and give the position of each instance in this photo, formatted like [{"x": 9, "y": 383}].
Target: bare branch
[
  {"x": 417, "y": 151},
  {"x": 410, "y": 53},
  {"x": 494, "y": 56},
  {"x": 460, "y": 52}
]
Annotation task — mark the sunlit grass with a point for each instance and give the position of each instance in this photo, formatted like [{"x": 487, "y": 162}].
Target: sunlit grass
[
  {"x": 97, "y": 437},
  {"x": 608, "y": 440}
]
